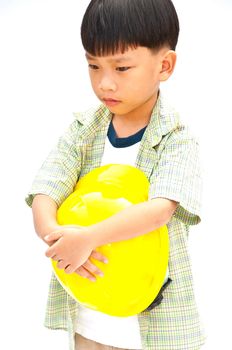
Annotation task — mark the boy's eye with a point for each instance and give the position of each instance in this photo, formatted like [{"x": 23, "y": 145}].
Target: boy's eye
[
  {"x": 93, "y": 66},
  {"x": 122, "y": 69}
]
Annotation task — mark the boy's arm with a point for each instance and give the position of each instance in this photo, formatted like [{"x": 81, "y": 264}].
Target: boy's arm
[
  {"x": 134, "y": 221},
  {"x": 73, "y": 245},
  {"x": 44, "y": 211}
]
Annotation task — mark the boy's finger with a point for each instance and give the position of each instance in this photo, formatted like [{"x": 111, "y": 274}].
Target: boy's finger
[
  {"x": 99, "y": 256},
  {"x": 49, "y": 252},
  {"x": 81, "y": 271},
  {"x": 62, "y": 264},
  {"x": 52, "y": 251},
  {"x": 92, "y": 268},
  {"x": 69, "y": 269}
]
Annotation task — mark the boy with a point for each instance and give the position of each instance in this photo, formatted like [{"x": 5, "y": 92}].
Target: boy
[{"x": 130, "y": 49}]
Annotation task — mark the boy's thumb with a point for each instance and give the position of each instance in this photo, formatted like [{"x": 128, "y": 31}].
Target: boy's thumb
[{"x": 54, "y": 236}]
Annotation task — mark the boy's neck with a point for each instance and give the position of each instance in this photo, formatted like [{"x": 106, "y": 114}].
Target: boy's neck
[{"x": 128, "y": 124}]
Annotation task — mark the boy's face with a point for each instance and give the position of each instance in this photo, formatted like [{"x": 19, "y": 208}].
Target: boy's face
[{"x": 125, "y": 82}]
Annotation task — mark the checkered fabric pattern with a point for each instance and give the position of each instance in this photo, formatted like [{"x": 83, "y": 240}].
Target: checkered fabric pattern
[{"x": 168, "y": 155}]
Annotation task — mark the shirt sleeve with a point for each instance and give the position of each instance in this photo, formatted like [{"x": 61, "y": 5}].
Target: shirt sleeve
[
  {"x": 178, "y": 176},
  {"x": 59, "y": 173}
]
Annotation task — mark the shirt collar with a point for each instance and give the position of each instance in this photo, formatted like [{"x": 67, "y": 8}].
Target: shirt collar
[
  {"x": 163, "y": 120},
  {"x": 92, "y": 121}
]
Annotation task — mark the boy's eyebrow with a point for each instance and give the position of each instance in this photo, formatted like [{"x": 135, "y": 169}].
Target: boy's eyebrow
[{"x": 117, "y": 60}]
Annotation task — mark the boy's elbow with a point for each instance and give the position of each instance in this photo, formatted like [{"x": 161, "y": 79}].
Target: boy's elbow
[{"x": 165, "y": 209}]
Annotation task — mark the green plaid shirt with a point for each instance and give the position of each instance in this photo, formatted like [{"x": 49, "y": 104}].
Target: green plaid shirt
[{"x": 168, "y": 155}]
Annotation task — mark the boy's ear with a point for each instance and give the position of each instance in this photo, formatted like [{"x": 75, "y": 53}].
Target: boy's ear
[{"x": 167, "y": 65}]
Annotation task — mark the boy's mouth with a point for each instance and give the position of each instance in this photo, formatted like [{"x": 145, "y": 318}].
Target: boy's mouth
[{"x": 110, "y": 102}]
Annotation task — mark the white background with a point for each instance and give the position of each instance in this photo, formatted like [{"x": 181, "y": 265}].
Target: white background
[{"x": 43, "y": 80}]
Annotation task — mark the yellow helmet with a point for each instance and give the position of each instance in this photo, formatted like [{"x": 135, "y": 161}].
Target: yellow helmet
[{"x": 137, "y": 267}]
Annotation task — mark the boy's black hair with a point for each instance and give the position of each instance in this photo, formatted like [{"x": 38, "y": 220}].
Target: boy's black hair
[{"x": 109, "y": 26}]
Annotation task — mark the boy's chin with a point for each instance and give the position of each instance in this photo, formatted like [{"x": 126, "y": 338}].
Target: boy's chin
[{"x": 117, "y": 109}]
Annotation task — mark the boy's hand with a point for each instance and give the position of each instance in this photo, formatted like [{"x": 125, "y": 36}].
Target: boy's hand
[{"x": 72, "y": 247}]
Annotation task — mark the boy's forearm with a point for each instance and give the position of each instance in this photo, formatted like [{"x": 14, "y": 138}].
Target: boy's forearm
[
  {"x": 44, "y": 211},
  {"x": 133, "y": 221}
]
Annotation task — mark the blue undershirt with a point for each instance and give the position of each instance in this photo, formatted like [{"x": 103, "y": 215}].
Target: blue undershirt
[{"x": 120, "y": 142}]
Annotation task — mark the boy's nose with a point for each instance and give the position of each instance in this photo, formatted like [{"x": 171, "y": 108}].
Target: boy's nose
[{"x": 107, "y": 84}]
